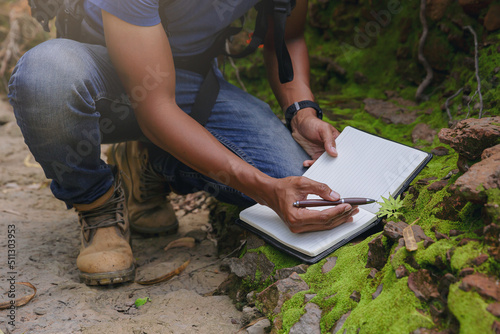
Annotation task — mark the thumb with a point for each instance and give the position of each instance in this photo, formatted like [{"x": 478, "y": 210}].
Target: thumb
[{"x": 324, "y": 191}]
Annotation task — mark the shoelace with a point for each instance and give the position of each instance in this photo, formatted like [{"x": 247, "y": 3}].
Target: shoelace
[{"x": 107, "y": 212}]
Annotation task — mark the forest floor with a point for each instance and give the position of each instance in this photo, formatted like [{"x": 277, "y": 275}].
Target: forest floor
[{"x": 47, "y": 244}]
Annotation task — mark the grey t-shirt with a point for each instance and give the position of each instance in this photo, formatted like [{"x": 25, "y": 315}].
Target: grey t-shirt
[{"x": 191, "y": 24}]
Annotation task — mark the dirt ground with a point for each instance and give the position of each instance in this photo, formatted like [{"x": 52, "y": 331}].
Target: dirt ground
[{"x": 47, "y": 244}]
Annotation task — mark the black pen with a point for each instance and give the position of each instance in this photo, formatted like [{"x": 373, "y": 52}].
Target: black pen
[{"x": 322, "y": 202}]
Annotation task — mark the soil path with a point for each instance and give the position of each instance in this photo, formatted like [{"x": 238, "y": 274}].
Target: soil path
[{"x": 47, "y": 244}]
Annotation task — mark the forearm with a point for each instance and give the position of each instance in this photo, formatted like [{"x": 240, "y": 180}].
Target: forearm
[
  {"x": 298, "y": 89},
  {"x": 193, "y": 145}
]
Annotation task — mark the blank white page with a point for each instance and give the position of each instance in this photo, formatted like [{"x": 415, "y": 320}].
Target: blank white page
[{"x": 367, "y": 166}]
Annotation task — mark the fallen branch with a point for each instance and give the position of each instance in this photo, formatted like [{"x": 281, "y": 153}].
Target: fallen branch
[
  {"x": 478, "y": 79},
  {"x": 419, "y": 95}
]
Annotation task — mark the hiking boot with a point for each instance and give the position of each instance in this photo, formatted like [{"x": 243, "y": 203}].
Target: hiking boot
[
  {"x": 105, "y": 256},
  {"x": 149, "y": 210}
]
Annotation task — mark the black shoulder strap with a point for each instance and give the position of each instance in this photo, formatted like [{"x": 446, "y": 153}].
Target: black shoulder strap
[
  {"x": 69, "y": 15},
  {"x": 280, "y": 10}
]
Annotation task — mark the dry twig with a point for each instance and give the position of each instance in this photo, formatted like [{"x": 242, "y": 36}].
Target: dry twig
[
  {"x": 446, "y": 104},
  {"x": 419, "y": 96},
  {"x": 478, "y": 79}
]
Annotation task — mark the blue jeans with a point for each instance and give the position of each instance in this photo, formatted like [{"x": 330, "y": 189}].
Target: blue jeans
[{"x": 68, "y": 100}]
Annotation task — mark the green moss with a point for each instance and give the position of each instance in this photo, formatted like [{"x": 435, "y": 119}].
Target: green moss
[
  {"x": 462, "y": 256},
  {"x": 280, "y": 259},
  {"x": 427, "y": 257},
  {"x": 470, "y": 310}
]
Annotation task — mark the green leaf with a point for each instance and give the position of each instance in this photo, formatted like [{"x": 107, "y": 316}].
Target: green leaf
[
  {"x": 141, "y": 301},
  {"x": 390, "y": 207}
]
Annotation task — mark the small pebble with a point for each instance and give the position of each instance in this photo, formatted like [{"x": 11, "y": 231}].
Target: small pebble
[{"x": 40, "y": 311}]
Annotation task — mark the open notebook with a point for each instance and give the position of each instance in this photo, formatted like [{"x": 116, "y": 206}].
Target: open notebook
[{"x": 367, "y": 166}]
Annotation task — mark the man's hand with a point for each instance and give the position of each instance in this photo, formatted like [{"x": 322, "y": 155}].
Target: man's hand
[
  {"x": 288, "y": 190},
  {"x": 314, "y": 135}
]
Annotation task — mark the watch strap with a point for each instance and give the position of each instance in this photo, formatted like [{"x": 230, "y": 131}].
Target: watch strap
[{"x": 292, "y": 110}]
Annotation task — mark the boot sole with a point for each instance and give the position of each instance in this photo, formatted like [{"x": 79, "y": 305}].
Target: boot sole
[
  {"x": 171, "y": 229},
  {"x": 108, "y": 278}
]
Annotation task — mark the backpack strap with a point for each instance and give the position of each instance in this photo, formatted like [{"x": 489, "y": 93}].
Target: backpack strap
[
  {"x": 69, "y": 15},
  {"x": 280, "y": 10}
]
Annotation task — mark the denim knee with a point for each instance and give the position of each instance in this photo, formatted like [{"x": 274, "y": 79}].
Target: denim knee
[{"x": 48, "y": 79}]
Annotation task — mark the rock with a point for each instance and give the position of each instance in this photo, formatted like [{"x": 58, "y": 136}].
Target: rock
[
  {"x": 340, "y": 322},
  {"x": 377, "y": 256},
  {"x": 372, "y": 273},
  {"x": 249, "y": 265},
  {"x": 419, "y": 233},
  {"x": 401, "y": 271},
  {"x": 494, "y": 309},
  {"x": 273, "y": 297},
  {"x": 479, "y": 178},
  {"x": 465, "y": 241},
  {"x": 428, "y": 242},
  {"x": 378, "y": 291},
  {"x": 480, "y": 260},
  {"x": 490, "y": 151},
  {"x": 450, "y": 205},
  {"x": 253, "y": 241},
  {"x": 286, "y": 272},
  {"x": 444, "y": 285},
  {"x": 260, "y": 327},
  {"x": 329, "y": 264},
  {"x": 482, "y": 284},
  {"x": 437, "y": 186},
  {"x": 356, "y": 296},
  {"x": 454, "y": 233},
  {"x": 471, "y": 136},
  {"x": 389, "y": 112},
  {"x": 435, "y": 9},
  {"x": 440, "y": 151},
  {"x": 492, "y": 18},
  {"x": 473, "y": 7},
  {"x": 394, "y": 230},
  {"x": 491, "y": 234},
  {"x": 463, "y": 164},
  {"x": 251, "y": 298},
  {"x": 39, "y": 311},
  {"x": 466, "y": 271},
  {"x": 440, "y": 236},
  {"x": 424, "y": 132},
  {"x": 249, "y": 314},
  {"x": 496, "y": 327},
  {"x": 423, "y": 285},
  {"x": 198, "y": 235},
  {"x": 495, "y": 253},
  {"x": 308, "y": 297},
  {"x": 401, "y": 244},
  {"x": 425, "y": 182},
  {"x": 309, "y": 322}
]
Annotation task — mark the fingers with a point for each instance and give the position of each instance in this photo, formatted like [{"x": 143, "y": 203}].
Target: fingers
[
  {"x": 329, "y": 134},
  {"x": 313, "y": 220},
  {"x": 323, "y": 190}
]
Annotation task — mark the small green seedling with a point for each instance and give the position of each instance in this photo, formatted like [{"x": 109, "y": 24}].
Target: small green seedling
[
  {"x": 141, "y": 301},
  {"x": 390, "y": 207}
]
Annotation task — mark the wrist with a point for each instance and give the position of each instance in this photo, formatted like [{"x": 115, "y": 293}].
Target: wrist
[{"x": 297, "y": 108}]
